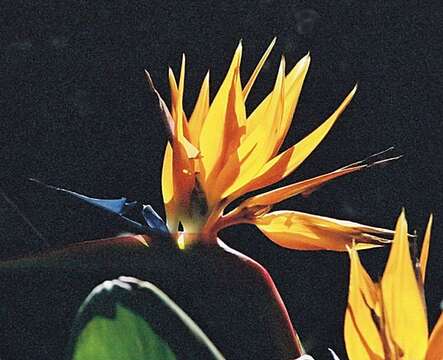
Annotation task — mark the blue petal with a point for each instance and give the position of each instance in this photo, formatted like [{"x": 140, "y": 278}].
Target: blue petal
[
  {"x": 154, "y": 221},
  {"x": 118, "y": 206}
]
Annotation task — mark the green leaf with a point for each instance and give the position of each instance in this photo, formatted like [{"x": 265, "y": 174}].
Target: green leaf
[
  {"x": 126, "y": 336},
  {"x": 130, "y": 319}
]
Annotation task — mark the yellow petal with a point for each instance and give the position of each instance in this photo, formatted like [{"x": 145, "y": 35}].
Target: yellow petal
[
  {"x": 435, "y": 345},
  {"x": 175, "y": 95},
  {"x": 179, "y": 104},
  {"x": 213, "y": 136},
  {"x": 183, "y": 176},
  {"x": 302, "y": 187},
  {"x": 228, "y": 165},
  {"x": 261, "y": 146},
  {"x": 425, "y": 249},
  {"x": 182, "y": 152},
  {"x": 200, "y": 111},
  {"x": 293, "y": 84},
  {"x": 181, "y": 130},
  {"x": 285, "y": 163},
  {"x": 402, "y": 301},
  {"x": 257, "y": 69},
  {"x": 362, "y": 338},
  {"x": 174, "y": 163},
  {"x": 306, "y": 187},
  {"x": 174, "y": 92},
  {"x": 301, "y": 231},
  {"x": 258, "y": 125},
  {"x": 369, "y": 290},
  {"x": 291, "y": 100},
  {"x": 168, "y": 189},
  {"x": 172, "y": 124}
]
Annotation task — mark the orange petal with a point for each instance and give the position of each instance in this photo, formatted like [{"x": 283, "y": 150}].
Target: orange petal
[
  {"x": 369, "y": 290},
  {"x": 293, "y": 83},
  {"x": 435, "y": 345},
  {"x": 402, "y": 301},
  {"x": 182, "y": 152},
  {"x": 425, "y": 249},
  {"x": 174, "y": 92},
  {"x": 181, "y": 124},
  {"x": 291, "y": 100},
  {"x": 261, "y": 146},
  {"x": 285, "y": 163},
  {"x": 301, "y": 231},
  {"x": 183, "y": 175},
  {"x": 179, "y": 103},
  {"x": 257, "y": 70},
  {"x": 200, "y": 111},
  {"x": 362, "y": 338},
  {"x": 213, "y": 135},
  {"x": 168, "y": 190},
  {"x": 228, "y": 167},
  {"x": 285, "y": 192},
  {"x": 306, "y": 187}
]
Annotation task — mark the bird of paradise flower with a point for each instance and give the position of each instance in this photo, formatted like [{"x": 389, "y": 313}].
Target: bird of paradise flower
[
  {"x": 222, "y": 153},
  {"x": 387, "y": 320}
]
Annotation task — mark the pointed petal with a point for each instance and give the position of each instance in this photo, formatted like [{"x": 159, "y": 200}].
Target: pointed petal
[
  {"x": 285, "y": 163},
  {"x": 306, "y": 187},
  {"x": 263, "y": 140},
  {"x": 167, "y": 118},
  {"x": 181, "y": 115},
  {"x": 435, "y": 345},
  {"x": 293, "y": 84},
  {"x": 168, "y": 190},
  {"x": 362, "y": 338},
  {"x": 179, "y": 105},
  {"x": 301, "y": 231},
  {"x": 172, "y": 125},
  {"x": 154, "y": 221},
  {"x": 213, "y": 134},
  {"x": 183, "y": 152},
  {"x": 333, "y": 354},
  {"x": 301, "y": 187},
  {"x": 178, "y": 172},
  {"x": 178, "y": 181},
  {"x": 291, "y": 100},
  {"x": 167, "y": 184},
  {"x": 115, "y": 206},
  {"x": 402, "y": 301},
  {"x": 181, "y": 124},
  {"x": 178, "y": 178},
  {"x": 425, "y": 249},
  {"x": 200, "y": 111},
  {"x": 368, "y": 289},
  {"x": 228, "y": 165},
  {"x": 257, "y": 69},
  {"x": 183, "y": 176},
  {"x": 174, "y": 92}
]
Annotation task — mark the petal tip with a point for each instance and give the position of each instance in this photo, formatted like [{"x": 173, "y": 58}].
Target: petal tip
[{"x": 354, "y": 89}]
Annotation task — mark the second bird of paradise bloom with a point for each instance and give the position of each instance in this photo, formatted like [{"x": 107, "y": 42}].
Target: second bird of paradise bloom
[
  {"x": 220, "y": 153},
  {"x": 387, "y": 320}
]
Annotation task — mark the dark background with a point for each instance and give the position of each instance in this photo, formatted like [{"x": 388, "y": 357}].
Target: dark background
[{"x": 76, "y": 112}]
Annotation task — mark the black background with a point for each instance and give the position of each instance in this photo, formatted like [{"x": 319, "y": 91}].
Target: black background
[{"x": 76, "y": 112}]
